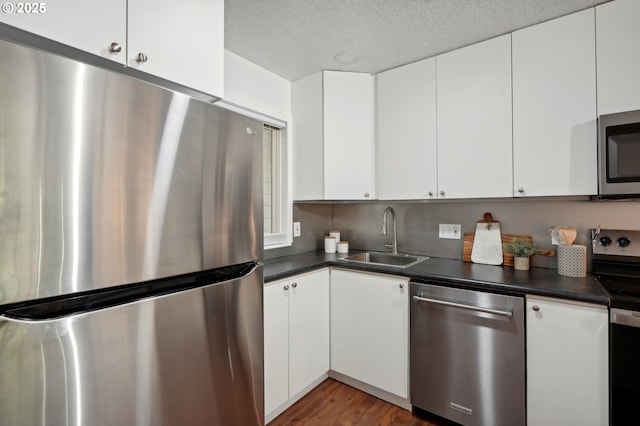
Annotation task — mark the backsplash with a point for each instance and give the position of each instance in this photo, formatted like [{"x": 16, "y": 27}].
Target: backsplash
[{"x": 418, "y": 223}]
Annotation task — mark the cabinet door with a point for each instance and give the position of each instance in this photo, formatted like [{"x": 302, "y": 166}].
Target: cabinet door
[
  {"x": 406, "y": 139},
  {"x": 308, "y": 140},
  {"x": 618, "y": 47},
  {"x": 370, "y": 329},
  {"x": 183, "y": 41},
  {"x": 554, "y": 107},
  {"x": 89, "y": 25},
  {"x": 474, "y": 121},
  {"x": 348, "y": 136},
  {"x": 276, "y": 345},
  {"x": 567, "y": 363},
  {"x": 308, "y": 330}
]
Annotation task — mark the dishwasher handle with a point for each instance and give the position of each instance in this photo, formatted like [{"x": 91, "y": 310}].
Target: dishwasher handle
[{"x": 463, "y": 306}]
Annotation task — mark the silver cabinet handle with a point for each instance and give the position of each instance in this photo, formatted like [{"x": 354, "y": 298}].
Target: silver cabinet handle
[
  {"x": 536, "y": 308},
  {"x": 442, "y": 193},
  {"x": 141, "y": 58},
  {"x": 521, "y": 190},
  {"x": 628, "y": 318},
  {"x": 366, "y": 195},
  {"x": 115, "y": 48},
  {"x": 286, "y": 287},
  {"x": 462, "y": 306},
  {"x": 294, "y": 285},
  {"x": 430, "y": 193},
  {"x": 401, "y": 285}
]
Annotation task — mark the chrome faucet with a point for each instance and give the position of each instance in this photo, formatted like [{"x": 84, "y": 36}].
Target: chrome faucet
[{"x": 394, "y": 246}]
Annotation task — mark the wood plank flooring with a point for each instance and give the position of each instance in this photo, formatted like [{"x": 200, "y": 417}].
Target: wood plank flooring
[{"x": 334, "y": 403}]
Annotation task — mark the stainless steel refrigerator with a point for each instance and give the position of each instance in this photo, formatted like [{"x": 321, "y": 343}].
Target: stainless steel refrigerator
[{"x": 130, "y": 251}]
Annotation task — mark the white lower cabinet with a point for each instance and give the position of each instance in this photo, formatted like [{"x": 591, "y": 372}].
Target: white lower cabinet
[
  {"x": 370, "y": 333},
  {"x": 296, "y": 338},
  {"x": 567, "y": 363}
]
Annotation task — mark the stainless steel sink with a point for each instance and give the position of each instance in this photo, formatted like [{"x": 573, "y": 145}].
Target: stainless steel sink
[{"x": 385, "y": 259}]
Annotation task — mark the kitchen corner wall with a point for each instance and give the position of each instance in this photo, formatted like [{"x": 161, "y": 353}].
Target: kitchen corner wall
[{"x": 360, "y": 223}]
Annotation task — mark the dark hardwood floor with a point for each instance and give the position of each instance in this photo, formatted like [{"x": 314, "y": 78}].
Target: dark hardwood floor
[{"x": 334, "y": 403}]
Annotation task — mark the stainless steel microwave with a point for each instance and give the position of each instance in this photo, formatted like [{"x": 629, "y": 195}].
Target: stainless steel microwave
[{"x": 619, "y": 155}]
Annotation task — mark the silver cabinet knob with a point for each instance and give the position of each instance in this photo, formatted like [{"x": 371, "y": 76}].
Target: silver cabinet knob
[
  {"x": 286, "y": 287},
  {"x": 401, "y": 285},
  {"x": 366, "y": 195},
  {"x": 430, "y": 193},
  {"x": 442, "y": 193},
  {"x": 535, "y": 308},
  {"x": 141, "y": 58},
  {"x": 521, "y": 190},
  {"x": 115, "y": 48},
  {"x": 294, "y": 285}
]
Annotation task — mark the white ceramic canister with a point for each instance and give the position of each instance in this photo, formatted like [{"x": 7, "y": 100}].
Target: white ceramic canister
[
  {"x": 335, "y": 233},
  {"x": 329, "y": 244},
  {"x": 343, "y": 247}
]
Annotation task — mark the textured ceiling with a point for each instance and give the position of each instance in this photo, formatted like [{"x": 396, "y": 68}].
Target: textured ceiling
[{"x": 296, "y": 38}]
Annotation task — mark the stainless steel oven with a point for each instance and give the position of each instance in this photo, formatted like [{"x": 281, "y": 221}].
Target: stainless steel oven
[
  {"x": 616, "y": 263},
  {"x": 619, "y": 154}
]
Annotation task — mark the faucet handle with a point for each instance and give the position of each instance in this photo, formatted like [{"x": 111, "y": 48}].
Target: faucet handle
[{"x": 388, "y": 246}]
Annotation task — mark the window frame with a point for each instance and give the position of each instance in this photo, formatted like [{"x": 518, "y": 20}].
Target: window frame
[
  {"x": 285, "y": 185},
  {"x": 280, "y": 183}
]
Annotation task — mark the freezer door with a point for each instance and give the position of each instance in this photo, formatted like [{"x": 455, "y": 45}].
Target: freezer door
[
  {"x": 190, "y": 358},
  {"x": 107, "y": 180}
]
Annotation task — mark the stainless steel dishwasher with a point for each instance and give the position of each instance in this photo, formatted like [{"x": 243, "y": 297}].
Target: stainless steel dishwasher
[{"x": 467, "y": 355}]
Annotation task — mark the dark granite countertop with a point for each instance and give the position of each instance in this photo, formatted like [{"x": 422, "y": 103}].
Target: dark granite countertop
[{"x": 537, "y": 281}]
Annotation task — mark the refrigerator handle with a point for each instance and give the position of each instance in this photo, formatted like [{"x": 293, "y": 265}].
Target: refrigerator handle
[{"x": 41, "y": 310}]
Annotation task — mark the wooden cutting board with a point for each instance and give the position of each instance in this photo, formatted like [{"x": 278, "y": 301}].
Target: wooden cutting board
[{"x": 507, "y": 258}]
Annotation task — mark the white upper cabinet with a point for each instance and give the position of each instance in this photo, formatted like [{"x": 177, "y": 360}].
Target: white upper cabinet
[
  {"x": 406, "y": 132},
  {"x": 333, "y": 147},
  {"x": 348, "y": 136},
  {"x": 474, "y": 121},
  {"x": 89, "y": 25},
  {"x": 618, "y": 53},
  {"x": 554, "y": 107},
  {"x": 182, "y": 42},
  {"x": 308, "y": 138}
]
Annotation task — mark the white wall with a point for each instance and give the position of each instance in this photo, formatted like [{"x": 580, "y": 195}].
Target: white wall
[{"x": 255, "y": 88}]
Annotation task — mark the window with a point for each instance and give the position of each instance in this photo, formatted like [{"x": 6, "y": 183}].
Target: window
[
  {"x": 271, "y": 170},
  {"x": 278, "y": 210},
  {"x": 277, "y": 204}
]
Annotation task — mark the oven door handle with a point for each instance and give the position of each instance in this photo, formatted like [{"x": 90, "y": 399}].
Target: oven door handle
[
  {"x": 622, "y": 317},
  {"x": 463, "y": 306}
]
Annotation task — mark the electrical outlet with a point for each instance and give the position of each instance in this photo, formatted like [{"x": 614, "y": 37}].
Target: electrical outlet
[
  {"x": 296, "y": 229},
  {"x": 450, "y": 231}
]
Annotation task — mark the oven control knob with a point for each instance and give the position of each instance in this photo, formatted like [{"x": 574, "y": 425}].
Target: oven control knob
[
  {"x": 605, "y": 241},
  {"x": 623, "y": 242}
]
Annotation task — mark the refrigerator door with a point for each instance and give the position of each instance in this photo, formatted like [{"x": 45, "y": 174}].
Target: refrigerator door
[
  {"x": 107, "y": 180},
  {"x": 189, "y": 358}
]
